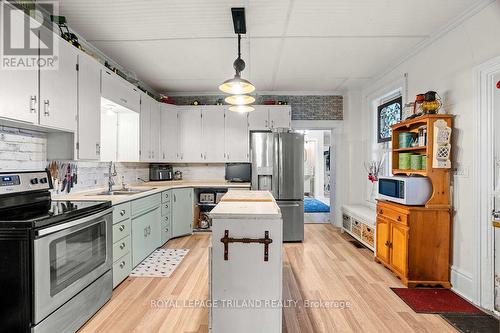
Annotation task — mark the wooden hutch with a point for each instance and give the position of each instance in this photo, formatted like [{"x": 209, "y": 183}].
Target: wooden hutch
[{"x": 414, "y": 241}]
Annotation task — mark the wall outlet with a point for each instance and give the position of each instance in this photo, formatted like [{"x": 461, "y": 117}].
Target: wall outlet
[{"x": 461, "y": 172}]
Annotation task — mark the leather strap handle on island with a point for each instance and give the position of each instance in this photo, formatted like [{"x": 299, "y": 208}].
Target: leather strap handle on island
[{"x": 266, "y": 241}]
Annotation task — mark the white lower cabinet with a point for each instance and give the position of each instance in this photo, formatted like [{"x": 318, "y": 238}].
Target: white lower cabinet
[
  {"x": 182, "y": 212},
  {"x": 236, "y": 137}
]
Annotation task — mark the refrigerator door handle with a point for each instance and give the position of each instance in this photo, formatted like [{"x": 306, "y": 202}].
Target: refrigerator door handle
[{"x": 291, "y": 205}]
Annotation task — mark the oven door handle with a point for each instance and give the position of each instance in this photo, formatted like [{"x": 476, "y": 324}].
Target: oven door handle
[{"x": 78, "y": 222}]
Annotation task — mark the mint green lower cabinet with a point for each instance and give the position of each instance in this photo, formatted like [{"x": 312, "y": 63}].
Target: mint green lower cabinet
[
  {"x": 121, "y": 269},
  {"x": 182, "y": 212},
  {"x": 145, "y": 234}
]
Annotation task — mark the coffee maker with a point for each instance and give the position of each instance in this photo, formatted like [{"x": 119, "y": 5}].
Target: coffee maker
[{"x": 159, "y": 172}]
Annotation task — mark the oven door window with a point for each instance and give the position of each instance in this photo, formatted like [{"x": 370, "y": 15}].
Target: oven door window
[{"x": 75, "y": 255}]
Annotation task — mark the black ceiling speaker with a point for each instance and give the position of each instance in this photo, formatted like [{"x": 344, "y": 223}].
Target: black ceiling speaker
[{"x": 240, "y": 26}]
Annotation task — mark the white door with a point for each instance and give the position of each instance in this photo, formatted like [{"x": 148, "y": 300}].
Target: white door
[
  {"x": 145, "y": 134},
  {"x": 169, "y": 133},
  {"x": 213, "y": 134},
  {"x": 155, "y": 130},
  {"x": 89, "y": 108},
  {"x": 58, "y": 89},
  {"x": 190, "y": 134},
  {"x": 236, "y": 137},
  {"x": 280, "y": 116},
  {"x": 496, "y": 198},
  {"x": 258, "y": 120},
  {"x": 19, "y": 88}
]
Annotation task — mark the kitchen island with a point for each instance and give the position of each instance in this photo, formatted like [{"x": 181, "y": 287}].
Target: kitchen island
[{"x": 245, "y": 264}]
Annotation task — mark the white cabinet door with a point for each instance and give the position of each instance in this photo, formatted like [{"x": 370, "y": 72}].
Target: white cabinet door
[
  {"x": 58, "y": 88},
  {"x": 155, "y": 130},
  {"x": 280, "y": 116},
  {"x": 236, "y": 137},
  {"x": 169, "y": 133},
  {"x": 19, "y": 88},
  {"x": 89, "y": 108},
  {"x": 145, "y": 135},
  {"x": 190, "y": 134},
  {"x": 116, "y": 89},
  {"x": 213, "y": 142},
  {"x": 258, "y": 120}
]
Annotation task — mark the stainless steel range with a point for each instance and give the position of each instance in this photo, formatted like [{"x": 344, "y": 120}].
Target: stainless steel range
[{"x": 56, "y": 262}]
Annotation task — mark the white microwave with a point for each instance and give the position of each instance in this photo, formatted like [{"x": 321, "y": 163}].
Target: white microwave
[{"x": 411, "y": 191}]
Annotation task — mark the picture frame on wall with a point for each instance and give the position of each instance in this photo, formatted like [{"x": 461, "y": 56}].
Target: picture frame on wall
[{"x": 388, "y": 114}]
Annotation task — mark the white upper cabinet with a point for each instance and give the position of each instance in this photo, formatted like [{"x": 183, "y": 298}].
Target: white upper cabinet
[
  {"x": 58, "y": 88},
  {"x": 213, "y": 143},
  {"x": 190, "y": 134},
  {"x": 169, "y": 133},
  {"x": 258, "y": 120},
  {"x": 280, "y": 116},
  {"x": 89, "y": 108},
  {"x": 267, "y": 117},
  {"x": 19, "y": 88},
  {"x": 146, "y": 154},
  {"x": 121, "y": 92},
  {"x": 155, "y": 130},
  {"x": 236, "y": 137}
]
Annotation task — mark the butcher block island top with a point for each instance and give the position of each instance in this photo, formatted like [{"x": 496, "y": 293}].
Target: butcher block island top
[
  {"x": 263, "y": 196},
  {"x": 245, "y": 265}
]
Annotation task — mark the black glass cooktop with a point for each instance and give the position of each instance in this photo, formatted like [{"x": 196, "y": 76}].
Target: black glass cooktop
[{"x": 49, "y": 212}]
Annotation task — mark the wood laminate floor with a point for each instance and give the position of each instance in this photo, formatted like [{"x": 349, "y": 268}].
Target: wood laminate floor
[{"x": 325, "y": 267}]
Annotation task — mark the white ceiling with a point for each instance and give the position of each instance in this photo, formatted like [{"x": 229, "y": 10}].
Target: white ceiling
[{"x": 291, "y": 45}]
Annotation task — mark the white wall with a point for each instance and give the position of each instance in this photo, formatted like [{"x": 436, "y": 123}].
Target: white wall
[{"x": 445, "y": 66}]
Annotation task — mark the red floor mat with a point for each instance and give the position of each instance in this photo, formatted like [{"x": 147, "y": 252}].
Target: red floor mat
[{"x": 431, "y": 300}]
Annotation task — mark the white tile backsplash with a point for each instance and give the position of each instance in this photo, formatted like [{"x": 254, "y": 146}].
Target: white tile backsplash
[
  {"x": 22, "y": 149},
  {"x": 201, "y": 171}
]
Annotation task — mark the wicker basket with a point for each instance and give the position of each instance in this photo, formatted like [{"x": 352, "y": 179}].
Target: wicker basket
[
  {"x": 346, "y": 222},
  {"x": 356, "y": 228},
  {"x": 367, "y": 234}
]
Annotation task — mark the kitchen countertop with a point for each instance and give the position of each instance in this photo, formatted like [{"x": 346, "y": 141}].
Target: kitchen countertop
[
  {"x": 247, "y": 209},
  {"x": 92, "y": 195},
  {"x": 262, "y": 196}
]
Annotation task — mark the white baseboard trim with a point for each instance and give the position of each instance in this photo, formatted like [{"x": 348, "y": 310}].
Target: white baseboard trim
[{"x": 462, "y": 284}]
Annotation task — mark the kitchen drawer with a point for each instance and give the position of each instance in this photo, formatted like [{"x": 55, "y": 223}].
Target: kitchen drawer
[
  {"x": 121, "y": 230},
  {"x": 356, "y": 227},
  {"x": 121, "y": 212},
  {"x": 165, "y": 196},
  {"x": 121, "y": 269},
  {"x": 392, "y": 215},
  {"x": 367, "y": 234},
  {"x": 121, "y": 248},
  {"x": 346, "y": 222},
  {"x": 165, "y": 209},
  {"x": 141, "y": 205}
]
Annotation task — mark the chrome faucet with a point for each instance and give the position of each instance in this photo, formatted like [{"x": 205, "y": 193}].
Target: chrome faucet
[{"x": 110, "y": 175}]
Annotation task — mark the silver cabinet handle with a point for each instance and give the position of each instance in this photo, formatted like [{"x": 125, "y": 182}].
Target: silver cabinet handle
[
  {"x": 46, "y": 108},
  {"x": 122, "y": 246},
  {"x": 166, "y": 229},
  {"x": 166, "y": 205},
  {"x": 122, "y": 264},
  {"x": 163, "y": 155},
  {"x": 272, "y": 123},
  {"x": 122, "y": 212},
  {"x": 122, "y": 227},
  {"x": 149, "y": 230},
  {"x": 98, "y": 148},
  {"x": 145, "y": 232},
  {"x": 267, "y": 123},
  {"x": 201, "y": 154},
  {"x": 33, "y": 104}
]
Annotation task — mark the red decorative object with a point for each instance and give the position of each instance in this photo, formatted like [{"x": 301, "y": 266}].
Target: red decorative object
[
  {"x": 498, "y": 84},
  {"x": 434, "y": 300},
  {"x": 167, "y": 100},
  {"x": 269, "y": 102}
]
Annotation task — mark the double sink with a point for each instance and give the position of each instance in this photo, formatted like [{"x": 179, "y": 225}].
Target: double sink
[{"x": 128, "y": 191}]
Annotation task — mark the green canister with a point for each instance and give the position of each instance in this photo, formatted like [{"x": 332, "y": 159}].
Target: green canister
[
  {"x": 416, "y": 162},
  {"x": 424, "y": 162},
  {"x": 404, "y": 161}
]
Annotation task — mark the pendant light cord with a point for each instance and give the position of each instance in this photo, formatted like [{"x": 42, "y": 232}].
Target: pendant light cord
[{"x": 239, "y": 46}]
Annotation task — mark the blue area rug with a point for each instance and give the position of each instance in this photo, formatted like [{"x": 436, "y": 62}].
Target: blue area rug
[{"x": 312, "y": 205}]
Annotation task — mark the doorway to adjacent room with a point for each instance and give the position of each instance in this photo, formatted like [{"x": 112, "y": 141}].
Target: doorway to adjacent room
[{"x": 317, "y": 176}]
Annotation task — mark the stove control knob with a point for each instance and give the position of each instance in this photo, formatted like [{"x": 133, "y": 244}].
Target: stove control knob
[
  {"x": 43, "y": 180},
  {"x": 34, "y": 181}
]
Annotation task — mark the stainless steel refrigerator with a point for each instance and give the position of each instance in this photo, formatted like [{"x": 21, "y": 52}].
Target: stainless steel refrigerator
[{"x": 278, "y": 166}]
